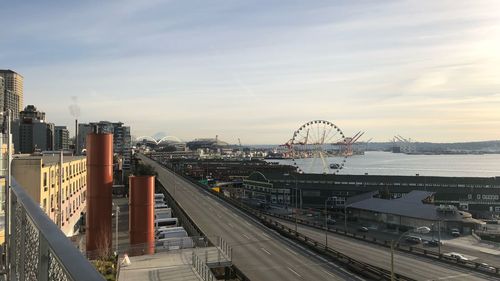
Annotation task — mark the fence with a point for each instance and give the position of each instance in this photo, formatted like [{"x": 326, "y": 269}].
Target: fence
[
  {"x": 201, "y": 268},
  {"x": 38, "y": 248}
]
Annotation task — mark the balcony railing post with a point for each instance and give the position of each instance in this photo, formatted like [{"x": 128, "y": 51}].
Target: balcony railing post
[{"x": 43, "y": 260}]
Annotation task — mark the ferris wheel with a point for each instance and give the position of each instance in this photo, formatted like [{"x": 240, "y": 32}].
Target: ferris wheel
[{"x": 317, "y": 146}]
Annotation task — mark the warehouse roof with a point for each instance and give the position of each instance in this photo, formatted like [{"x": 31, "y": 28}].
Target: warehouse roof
[{"x": 411, "y": 205}]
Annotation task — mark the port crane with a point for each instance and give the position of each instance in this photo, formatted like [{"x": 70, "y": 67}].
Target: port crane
[
  {"x": 405, "y": 145},
  {"x": 348, "y": 143}
]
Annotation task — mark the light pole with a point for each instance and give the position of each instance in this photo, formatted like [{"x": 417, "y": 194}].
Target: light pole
[
  {"x": 421, "y": 230},
  {"x": 296, "y": 219},
  {"x": 326, "y": 221},
  {"x": 117, "y": 213}
]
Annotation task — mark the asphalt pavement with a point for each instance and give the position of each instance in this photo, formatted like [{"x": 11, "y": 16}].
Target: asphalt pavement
[{"x": 419, "y": 268}]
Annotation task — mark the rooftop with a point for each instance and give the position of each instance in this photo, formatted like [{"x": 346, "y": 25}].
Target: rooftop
[
  {"x": 273, "y": 177},
  {"x": 47, "y": 159},
  {"x": 410, "y": 205}
]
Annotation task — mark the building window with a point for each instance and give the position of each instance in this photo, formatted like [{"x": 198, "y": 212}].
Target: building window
[{"x": 45, "y": 179}]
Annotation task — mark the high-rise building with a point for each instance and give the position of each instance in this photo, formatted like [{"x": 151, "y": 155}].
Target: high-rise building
[
  {"x": 122, "y": 143},
  {"x": 61, "y": 138},
  {"x": 39, "y": 176},
  {"x": 83, "y": 131},
  {"x": 31, "y": 132},
  {"x": 121, "y": 138},
  {"x": 14, "y": 83}
]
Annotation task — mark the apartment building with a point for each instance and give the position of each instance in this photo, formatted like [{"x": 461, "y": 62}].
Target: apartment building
[{"x": 39, "y": 175}]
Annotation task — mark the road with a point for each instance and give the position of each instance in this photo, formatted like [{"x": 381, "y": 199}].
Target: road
[
  {"x": 463, "y": 245},
  {"x": 419, "y": 268},
  {"x": 258, "y": 252}
]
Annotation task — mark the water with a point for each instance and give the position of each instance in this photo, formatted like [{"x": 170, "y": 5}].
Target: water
[{"x": 386, "y": 163}]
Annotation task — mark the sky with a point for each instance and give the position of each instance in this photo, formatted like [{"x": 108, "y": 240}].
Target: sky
[{"x": 258, "y": 70}]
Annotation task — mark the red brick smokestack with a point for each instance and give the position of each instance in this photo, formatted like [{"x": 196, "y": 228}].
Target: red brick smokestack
[
  {"x": 142, "y": 212},
  {"x": 99, "y": 187}
]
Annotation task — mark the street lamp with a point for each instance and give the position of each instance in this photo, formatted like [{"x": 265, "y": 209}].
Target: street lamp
[
  {"x": 296, "y": 219},
  {"x": 326, "y": 220},
  {"x": 117, "y": 213},
  {"x": 421, "y": 230}
]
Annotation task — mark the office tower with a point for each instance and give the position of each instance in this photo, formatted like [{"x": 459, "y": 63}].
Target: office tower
[
  {"x": 83, "y": 131},
  {"x": 61, "y": 138},
  {"x": 14, "y": 83},
  {"x": 33, "y": 132},
  {"x": 121, "y": 138}
]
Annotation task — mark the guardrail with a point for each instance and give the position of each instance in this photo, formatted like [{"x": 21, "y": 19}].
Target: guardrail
[
  {"x": 38, "y": 248},
  {"x": 480, "y": 267}
]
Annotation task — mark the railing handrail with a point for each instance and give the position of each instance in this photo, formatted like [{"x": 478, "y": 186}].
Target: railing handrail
[{"x": 68, "y": 256}]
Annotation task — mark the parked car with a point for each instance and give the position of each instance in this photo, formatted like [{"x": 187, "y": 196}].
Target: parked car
[
  {"x": 413, "y": 239},
  {"x": 363, "y": 229},
  {"x": 455, "y": 232},
  {"x": 331, "y": 221}
]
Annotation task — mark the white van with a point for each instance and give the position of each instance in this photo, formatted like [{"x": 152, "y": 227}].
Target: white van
[
  {"x": 175, "y": 243},
  {"x": 165, "y": 222},
  {"x": 177, "y": 233},
  {"x": 160, "y": 206},
  {"x": 163, "y": 213}
]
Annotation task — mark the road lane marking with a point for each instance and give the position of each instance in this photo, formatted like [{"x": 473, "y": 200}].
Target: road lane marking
[
  {"x": 265, "y": 235},
  {"x": 266, "y": 251},
  {"x": 294, "y": 272},
  {"x": 452, "y": 276},
  {"x": 329, "y": 273},
  {"x": 246, "y": 236},
  {"x": 290, "y": 250},
  {"x": 230, "y": 225}
]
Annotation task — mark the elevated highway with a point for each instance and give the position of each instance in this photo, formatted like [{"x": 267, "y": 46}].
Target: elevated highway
[
  {"x": 261, "y": 254},
  {"x": 264, "y": 255}
]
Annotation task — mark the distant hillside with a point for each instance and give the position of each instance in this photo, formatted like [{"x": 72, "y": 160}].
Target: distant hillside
[{"x": 457, "y": 147}]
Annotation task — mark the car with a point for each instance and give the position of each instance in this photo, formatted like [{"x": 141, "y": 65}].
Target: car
[
  {"x": 486, "y": 267},
  {"x": 413, "y": 239},
  {"x": 455, "y": 232},
  {"x": 433, "y": 243},
  {"x": 331, "y": 221},
  {"x": 363, "y": 229},
  {"x": 456, "y": 256}
]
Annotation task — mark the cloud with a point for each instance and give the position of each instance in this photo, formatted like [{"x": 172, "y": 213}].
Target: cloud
[{"x": 257, "y": 70}]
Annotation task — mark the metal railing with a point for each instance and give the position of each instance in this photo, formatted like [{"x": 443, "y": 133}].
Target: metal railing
[
  {"x": 38, "y": 249},
  {"x": 201, "y": 268}
]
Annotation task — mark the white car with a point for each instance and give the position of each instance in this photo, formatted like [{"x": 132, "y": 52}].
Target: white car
[{"x": 456, "y": 256}]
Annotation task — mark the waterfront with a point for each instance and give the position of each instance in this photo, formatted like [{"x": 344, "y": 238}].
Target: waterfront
[{"x": 386, "y": 163}]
